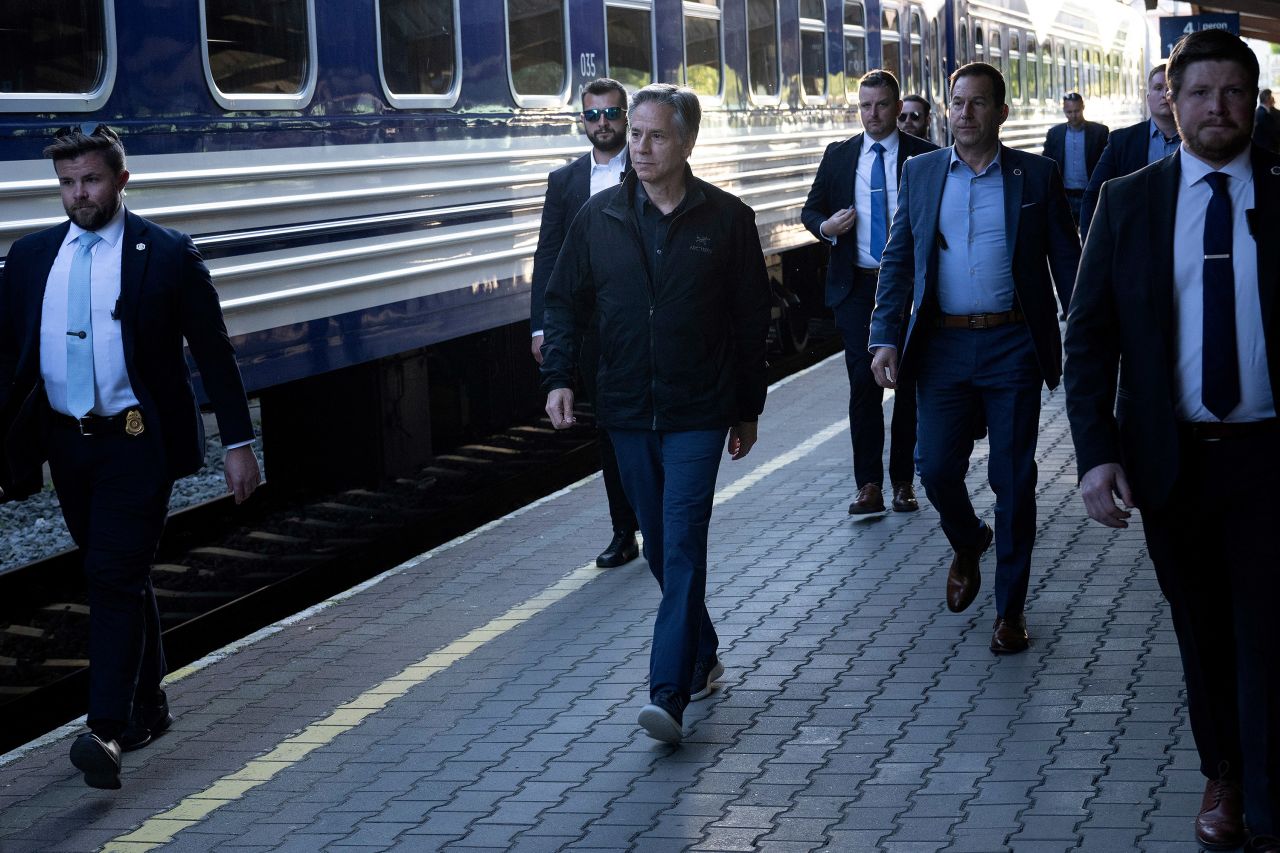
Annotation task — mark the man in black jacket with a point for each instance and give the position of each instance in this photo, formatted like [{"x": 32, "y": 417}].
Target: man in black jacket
[
  {"x": 1075, "y": 146},
  {"x": 669, "y": 269},
  {"x": 1131, "y": 148},
  {"x": 604, "y": 116}
]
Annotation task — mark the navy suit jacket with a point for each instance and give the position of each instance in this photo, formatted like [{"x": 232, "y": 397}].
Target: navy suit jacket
[
  {"x": 568, "y": 189},
  {"x": 1095, "y": 139},
  {"x": 166, "y": 295},
  {"x": 832, "y": 190},
  {"x": 1039, "y": 233},
  {"x": 1126, "y": 153},
  {"x": 1122, "y": 316}
]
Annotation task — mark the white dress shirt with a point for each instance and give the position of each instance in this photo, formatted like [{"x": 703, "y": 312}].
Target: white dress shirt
[
  {"x": 1256, "y": 402},
  {"x": 113, "y": 393},
  {"x": 605, "y": 175}
]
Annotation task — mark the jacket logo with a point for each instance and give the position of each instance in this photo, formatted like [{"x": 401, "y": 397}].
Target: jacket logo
[{"x": 701, "y": 244}]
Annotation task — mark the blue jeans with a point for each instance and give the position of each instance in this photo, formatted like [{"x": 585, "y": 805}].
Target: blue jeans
[
  {"x": 670, "y": 479},
  {"x": 996, "y": 370}
]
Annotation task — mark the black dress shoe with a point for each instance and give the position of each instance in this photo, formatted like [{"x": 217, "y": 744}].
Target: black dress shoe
[
  {"x": 98, "y": 759},
  {"x": 964, "y": 579},
  {"x": 1010, "y": 635},
  {"x": 622, "y": 550},
  {"x": 146, "y": 725},
  {"x": 904, "y": 498},
  {"x": 868, "y": 500}
]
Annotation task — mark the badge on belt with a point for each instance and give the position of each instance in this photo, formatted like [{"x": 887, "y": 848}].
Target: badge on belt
[{"x": 133, "y": 422}]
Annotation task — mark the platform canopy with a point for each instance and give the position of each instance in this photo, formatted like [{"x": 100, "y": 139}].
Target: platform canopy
[{"x": 1259, "y": 19}]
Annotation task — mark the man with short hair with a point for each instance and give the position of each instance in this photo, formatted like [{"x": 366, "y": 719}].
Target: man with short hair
[
  {"x": 93, "y": 314},
  {"x": 1266, "y": 122},
  {"x": 604, "y": 119},
  {"x": 1075, "y": 146},
  {"x": 670, "y": 271},
  {"x": 914, "y": 117},
  {"x": 1131, "y": 148},
  {"x": 1172, "y": 377},
  {"x": 979, "y": 229},
  {"x": 850, "y": 206}
]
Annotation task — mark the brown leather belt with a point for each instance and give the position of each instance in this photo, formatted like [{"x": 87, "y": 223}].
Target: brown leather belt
[
  {"x": 1217, "y": 430},
  {"x": 129, "y": 422},
  {"x": 979, "y": 321}
]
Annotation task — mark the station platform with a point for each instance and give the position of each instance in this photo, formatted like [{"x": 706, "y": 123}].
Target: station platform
[{"x": 484, "y": 695}]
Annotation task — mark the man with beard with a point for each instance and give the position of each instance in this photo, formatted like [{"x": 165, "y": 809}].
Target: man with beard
[
  {"x": 93, "y": 313},
  {"x": 604, "y": 117},
  {"x": 1172, "y": 376},
  {"x": 1131, "y": 148},
  {"x": 914, "y": 118}
]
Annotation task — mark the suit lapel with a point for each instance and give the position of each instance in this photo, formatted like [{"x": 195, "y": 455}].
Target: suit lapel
[
  {"x": 1162, "y": 192},
  {"x": 1266, "y": 217},
  {"x": 850, "y": 179},
  {"x": 1011, "y": 170},
  {"x": 134, "y": 254},
  {"x": 45, "y": 256}
]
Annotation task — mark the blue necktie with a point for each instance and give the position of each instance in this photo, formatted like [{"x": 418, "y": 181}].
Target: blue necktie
[
  {"x": 879, "y": 204},
  {"x": 80, "y": 388},
  {"x": 1220, "y": 377}
]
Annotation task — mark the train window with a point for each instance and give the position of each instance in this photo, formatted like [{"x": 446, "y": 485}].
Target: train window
[
  {"x": 1075, "y": 75},
  {"x": 979, "y": 44},
  {"x": 915, "y": 79},
  {"x": 629, "y": 44},
  {"x": 1064, "y": 77},
  {"x": 762, "y": 49},
  {"x": 813, "y": 48},
  {"x": 995, "y": 55},
  {"x": 259, "y": 53},
  {"x": 537, "y": 47},
  {"x": 57, "y": 55},
  {"x": 939, "y": 63},
  {"x": 1015, "y": 68},
  {"x": 1033, "y": 69},
  {"x": 1046, "y": 71},
  {"x": 702, "y": 46},
  {"x": 855, "y": 46},
  {"x": 890, "y": 41},
  {"x": 964, "y": 43},
  {"x": 418, "y": 51}
]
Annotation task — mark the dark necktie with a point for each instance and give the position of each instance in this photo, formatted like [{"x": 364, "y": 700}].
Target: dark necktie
[
  {"x": 879, "y": 204},
  {"x": 1220, "y": 377}
]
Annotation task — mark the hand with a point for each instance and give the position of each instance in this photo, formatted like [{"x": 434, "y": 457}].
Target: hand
[
  {"x": 839, "y": 223},
  {"x": 560, "y": 408},
  {"x": 537, "y": 348},
  {"x": 241, "y": 468},
  {"x": 884, "y": 367},
  {"x": 742, "y": 437},
  {"x": 1097, "y": 487}
]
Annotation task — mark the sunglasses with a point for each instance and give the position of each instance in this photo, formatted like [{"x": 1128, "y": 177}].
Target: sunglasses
[
  {"x": 913, "y": 115},
  {"x": 86, "y": 129},
  {"x": 611, "y": 113}
]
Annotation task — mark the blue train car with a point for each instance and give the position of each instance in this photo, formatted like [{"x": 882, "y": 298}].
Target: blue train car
[{"x": 365, "y": 177}]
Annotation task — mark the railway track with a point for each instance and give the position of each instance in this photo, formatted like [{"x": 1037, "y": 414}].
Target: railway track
[{"x": 222, "y": 572}]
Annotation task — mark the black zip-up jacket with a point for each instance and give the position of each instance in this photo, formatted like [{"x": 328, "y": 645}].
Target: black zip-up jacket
[{"x": 681, "y": 349}]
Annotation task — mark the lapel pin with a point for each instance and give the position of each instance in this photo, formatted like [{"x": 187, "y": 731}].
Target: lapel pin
[
  {"x": 141, "y": 247},
  {"x": 1017, "y": 173},
  {"x": 1275, "y": 170}
]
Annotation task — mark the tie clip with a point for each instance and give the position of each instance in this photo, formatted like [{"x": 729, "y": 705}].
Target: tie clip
[
  {"x": 80, "y": 335},
  {"x": 1216, "y": 257}
]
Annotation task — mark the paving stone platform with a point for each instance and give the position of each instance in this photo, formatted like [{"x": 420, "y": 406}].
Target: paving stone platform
[{"x": 856, "y": 713}]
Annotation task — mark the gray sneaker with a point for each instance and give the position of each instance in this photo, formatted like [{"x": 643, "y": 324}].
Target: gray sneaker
[
  {"x": 704, "y": 679},
  {"x": 660, "y": 724}
]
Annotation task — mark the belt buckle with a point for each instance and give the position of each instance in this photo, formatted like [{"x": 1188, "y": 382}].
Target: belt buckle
[
  {"x": 977, "y": 321},
  {"x": 86, "y": 429}
]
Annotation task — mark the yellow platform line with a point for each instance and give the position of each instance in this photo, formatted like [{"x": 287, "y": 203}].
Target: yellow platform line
[{"x": 162, "y": 828}]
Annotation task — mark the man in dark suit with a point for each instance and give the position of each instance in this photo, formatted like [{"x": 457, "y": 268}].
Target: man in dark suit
[
  {"x": 850, "y": 206},
  {"x": 1132, "y": 147},
  {"x": 1266, "y": 122},
  {"x": 1172, "y": 377},
  {"x": 93, "y": 313},
  {"x": 1075, "y": 146},
  {"x": 604, "y": 115},
  {"x": 978, "y": 230},
  {"x": 914, "y": 117}
]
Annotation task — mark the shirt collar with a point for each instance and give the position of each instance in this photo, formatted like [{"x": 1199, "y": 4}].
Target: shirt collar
[
  {"x": 992, "y": 167},
  {"x": 1157, "y": 132},
  {"x": 614, "y": 161},
  {"x": 1194, "y": 169},
  {"x": 110, "y": 233},
  {"x": 889, "y": 143}
]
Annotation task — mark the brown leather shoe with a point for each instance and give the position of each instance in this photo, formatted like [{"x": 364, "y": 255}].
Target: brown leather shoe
[
  {"x": 964, "y": 579},
  {"x": 1010, "y": 635},
  {"x": 1220, "y": 824},
  {"x": 904, "y": 498},
  {"x": 870, "y": 499}
]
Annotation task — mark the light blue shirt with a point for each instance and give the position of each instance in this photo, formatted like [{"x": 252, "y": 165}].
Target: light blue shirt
[
  {"x": 1077, "y": 176},
  {"x": 1158, "y": 147},
  {"x": 975, "y": 272},
  {"x": 1256, "y": 402}
]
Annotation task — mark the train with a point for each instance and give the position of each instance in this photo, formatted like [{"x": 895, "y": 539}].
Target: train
[{"x": 365, "y": 177}]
